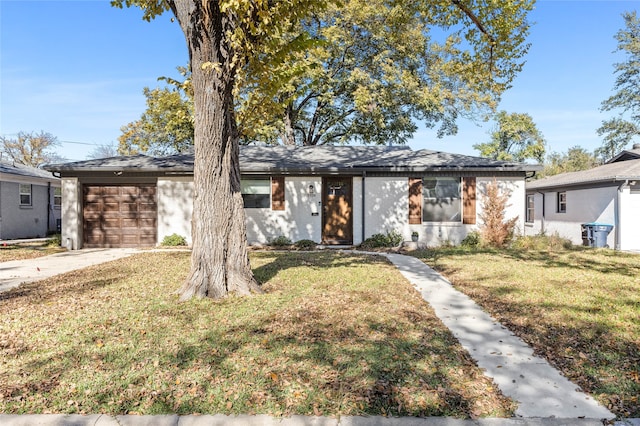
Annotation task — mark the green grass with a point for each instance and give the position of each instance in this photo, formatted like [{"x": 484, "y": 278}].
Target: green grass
[
  {"x": 579, "y": 308},
  {"x": 334, "y": 334},
  {"x": 23, "y": 251}
]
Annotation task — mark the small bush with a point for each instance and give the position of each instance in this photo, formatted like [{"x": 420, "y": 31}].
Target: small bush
[
  {"x": 280, "y": 241},
  {"x": 305, "y": 244},
  {"x": 472, "y": 240},
  {"x": 497, "y": 231},
  {"x": 542, "y": 242},
  {"x": 54, "y": 241},
  {"x": 174, "y": 240},
  {"x": 390, "y": 239}
]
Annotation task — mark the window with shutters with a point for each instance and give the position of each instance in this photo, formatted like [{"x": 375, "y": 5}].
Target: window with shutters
[{"x": 442, "y": 199}]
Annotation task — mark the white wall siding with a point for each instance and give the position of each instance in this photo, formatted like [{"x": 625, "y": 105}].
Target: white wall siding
[
  {"x": 301, "y": 218},
  {"x": 175, "y": 207},
  {"x": 583, "y": 206},
  {"x": 537, "y": 226},
  {"x": 356, "y": 210},
  {"x": 71, "y": 213},
  {"x": 515, "y": 205},
  {"x": 387, "y": 209},
  {"x": 629, "y": 220},
  {"x": 387, "y": 205}
]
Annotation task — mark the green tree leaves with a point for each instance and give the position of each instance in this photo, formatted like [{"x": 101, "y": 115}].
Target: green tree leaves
[
  {"x": 368, "y": 71},
  {"x": 619, "y": 131},
  {"x": 515, "y": 138}
]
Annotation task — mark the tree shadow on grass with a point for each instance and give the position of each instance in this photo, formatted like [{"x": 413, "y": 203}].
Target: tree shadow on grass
[{"x": 305, "y": 357}]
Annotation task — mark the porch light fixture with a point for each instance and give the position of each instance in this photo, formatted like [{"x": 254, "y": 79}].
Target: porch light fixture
[{"x": 312, "y": 190}]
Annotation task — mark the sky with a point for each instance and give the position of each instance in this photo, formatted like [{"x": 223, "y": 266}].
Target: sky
[{"x": 77, "y": 69}]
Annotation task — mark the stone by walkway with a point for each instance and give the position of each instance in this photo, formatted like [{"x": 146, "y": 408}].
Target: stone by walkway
[{"x": 540, "y": 390}]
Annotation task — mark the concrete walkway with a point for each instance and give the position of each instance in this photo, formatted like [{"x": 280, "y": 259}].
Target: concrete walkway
[
  {"x": 545, "y": 397},
  {"x": 539, "y": 388},
  {"x": 16, "y": 272}
]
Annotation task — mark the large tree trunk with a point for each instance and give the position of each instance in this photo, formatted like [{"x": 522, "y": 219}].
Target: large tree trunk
[{"x": 219, "y": 261}]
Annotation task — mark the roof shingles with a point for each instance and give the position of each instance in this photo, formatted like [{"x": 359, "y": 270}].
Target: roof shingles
[{"x": 314, "y": 159}]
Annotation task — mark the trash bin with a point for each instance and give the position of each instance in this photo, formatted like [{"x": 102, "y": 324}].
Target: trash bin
[{"x": 595, "y": 234}]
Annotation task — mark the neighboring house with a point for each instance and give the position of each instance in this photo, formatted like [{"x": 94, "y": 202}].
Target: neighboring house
[
  {"x": 608, "y": 194},
  {"x": 30, "y": 202},
  {"x": 328, "y": 194}
]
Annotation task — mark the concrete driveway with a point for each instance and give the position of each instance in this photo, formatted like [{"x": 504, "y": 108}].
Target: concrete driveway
[{"x": 16, "y": 272}]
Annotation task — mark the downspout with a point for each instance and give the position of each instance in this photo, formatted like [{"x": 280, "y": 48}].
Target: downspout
[
  {"x": 364, "y": 175},
  {"x": 49, "y": 207},
  {"x": 618, "y": 234}
]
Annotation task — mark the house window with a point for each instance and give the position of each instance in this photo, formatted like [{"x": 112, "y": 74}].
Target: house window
[
  {"x": 442, "y": 199},
  {"x": 530, "y": 210},
  {"x": 256, "y": 193},
  {"x": 562, "y": 202},
  {"x": 57, "y": 197},
  {"x": 25, "y": 194}
]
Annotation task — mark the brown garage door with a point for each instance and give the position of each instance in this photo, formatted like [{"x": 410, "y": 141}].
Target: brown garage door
[{"x": 119, "y": 215}]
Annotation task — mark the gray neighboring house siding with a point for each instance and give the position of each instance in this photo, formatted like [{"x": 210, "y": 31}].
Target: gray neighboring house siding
[
  {"x": 288, "y": 191},
  {"x": 19, "y": 218},
  {"x": 608, "y": 194}
]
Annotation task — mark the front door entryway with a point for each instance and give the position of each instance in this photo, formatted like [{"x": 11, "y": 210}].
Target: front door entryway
[{"x": 337, "y": 221}]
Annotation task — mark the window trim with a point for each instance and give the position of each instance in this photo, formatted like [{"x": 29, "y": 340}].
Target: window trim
[
  {"x": 57, "y": 198},
  {"x": 459, "y": 198},
  {"x": 267, "y": 195},
  {"x": 530, "y": 209},
  {"x": 561, "y": 202},
  {"x": 21, "y": 194}
]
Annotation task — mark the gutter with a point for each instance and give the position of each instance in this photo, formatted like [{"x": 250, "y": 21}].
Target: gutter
[{"x": 49, "y": 207}]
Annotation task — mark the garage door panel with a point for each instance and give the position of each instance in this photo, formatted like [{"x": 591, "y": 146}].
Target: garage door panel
[
  {"x": 120, "y": 216},
  {"x": 147, "y": 222},
  {"x": 128, "y": 207}
]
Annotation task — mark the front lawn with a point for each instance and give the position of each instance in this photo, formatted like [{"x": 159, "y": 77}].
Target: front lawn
[
  {"x": 335, "y": 334},
  {"x": 28, "y": 250},
  {"x": 579, "y": 308}
]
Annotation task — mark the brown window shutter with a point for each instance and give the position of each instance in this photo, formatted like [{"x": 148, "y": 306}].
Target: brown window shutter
[
  {"x": 469, "y": 201},
  {"x": 277, "y": 193},
  {"x": 415, "y": 201}
]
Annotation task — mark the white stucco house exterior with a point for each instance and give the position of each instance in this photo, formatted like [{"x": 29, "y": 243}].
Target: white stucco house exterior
[
  {"x": 608, "y": 194},
  {"x": 328, "y": 194},
  {"x": 30, "y": 202}
]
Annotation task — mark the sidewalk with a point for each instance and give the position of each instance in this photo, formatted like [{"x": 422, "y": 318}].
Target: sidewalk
[{"x": 263, "y": 420}]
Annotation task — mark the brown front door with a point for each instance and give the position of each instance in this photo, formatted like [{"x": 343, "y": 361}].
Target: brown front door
[
  {"x": 337, "y": 222},
  {"x": 119, "y": 215}
]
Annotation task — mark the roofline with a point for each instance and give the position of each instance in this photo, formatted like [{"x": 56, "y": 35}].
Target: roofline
[
  {"x": 609, "y": 179},
  {"x": 306, "y": 170}
]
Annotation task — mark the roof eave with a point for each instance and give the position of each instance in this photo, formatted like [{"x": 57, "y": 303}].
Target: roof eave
[{"x": 609, "y": 179}]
